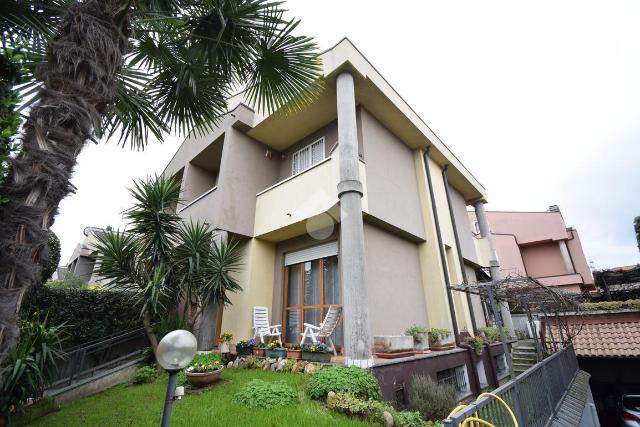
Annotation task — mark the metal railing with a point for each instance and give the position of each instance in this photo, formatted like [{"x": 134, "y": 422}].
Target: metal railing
[
  {"x": 534, "y": 396},
  {"x": 84, "y": 361}
]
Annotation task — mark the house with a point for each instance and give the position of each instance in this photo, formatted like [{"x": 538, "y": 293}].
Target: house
[
  {"x": 539, "y": 245},
  {"x": 81, "y": 263},
  {"x": 352, "y": 201}
]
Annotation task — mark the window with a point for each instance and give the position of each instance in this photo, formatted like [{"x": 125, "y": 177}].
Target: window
[
  {"x": 456, "y": 377},
  {"x": 500, "y": 362},
  {"x": 310, "y": 287},
  {"x": 476, "y": 227},
  {"x": 308, "y": 156}
]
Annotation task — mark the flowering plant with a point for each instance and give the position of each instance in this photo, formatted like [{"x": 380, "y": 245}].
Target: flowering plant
[
  {"x": 260, "y": 345},
  {"x": 274, "y": 344},
  {"x": 294, "y": 347},
  {"x": 206, "y": 362},
  {"x": 226, "y": 337},
  {"x": 315, "y": 348},
  {"x": 246, "y": 344}
]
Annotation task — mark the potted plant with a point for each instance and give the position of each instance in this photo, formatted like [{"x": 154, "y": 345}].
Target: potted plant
[
  {"x": 294, "y": 352},
  {"x": 420, "y": 336},
  {"x": 439, "y": 339},
  {"x": 258, "y": 349},
  {"x": 316, "y": 353},
  {"x": 225, "y": 340},
  {"x": 204, "y": 369},
  {"x": 476, "y": 342},
  {"x": 245, "y": 348},
  {"x": 275, "y": 349}
]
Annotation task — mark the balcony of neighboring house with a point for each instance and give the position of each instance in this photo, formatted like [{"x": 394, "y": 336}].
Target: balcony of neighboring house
[
  {"x": 199, "y": 180},
  {"x": 306, "y": 201}
]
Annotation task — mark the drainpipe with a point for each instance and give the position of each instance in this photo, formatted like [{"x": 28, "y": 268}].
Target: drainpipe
[
  {"x": 452, "y": 310},
  {"x": 459, "y": 249}
]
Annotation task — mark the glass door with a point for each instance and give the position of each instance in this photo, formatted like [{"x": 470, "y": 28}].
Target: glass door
[{"x": 310, "y": 288}]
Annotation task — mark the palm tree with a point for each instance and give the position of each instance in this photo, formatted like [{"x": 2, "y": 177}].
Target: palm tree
[
  {"x": 130, "y": 68},
  {"x": 162, "y": 261}
]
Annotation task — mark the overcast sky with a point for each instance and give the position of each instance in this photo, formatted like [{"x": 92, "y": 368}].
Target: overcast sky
[{"x": 541, "y": 102}]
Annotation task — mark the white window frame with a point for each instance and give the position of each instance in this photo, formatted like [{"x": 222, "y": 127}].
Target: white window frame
[{"x": 300, "y": 163}]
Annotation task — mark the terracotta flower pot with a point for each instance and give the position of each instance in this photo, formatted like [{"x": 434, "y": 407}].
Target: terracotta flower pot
[
  {"x": 259, "y": 352},
  {"x": 203, "y": 379},
  {"x": 294, "y": 354}
]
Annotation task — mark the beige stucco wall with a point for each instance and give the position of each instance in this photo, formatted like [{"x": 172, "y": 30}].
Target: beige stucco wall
[
  {"x": 464, "y": 228},
  {"x": 244, "y": 171},
  {"x": 396, "y": 295},
  {"x": 196, "y": 181},
  {"x": 256, "y": 279},
  {"x": 391, "y": 178}
]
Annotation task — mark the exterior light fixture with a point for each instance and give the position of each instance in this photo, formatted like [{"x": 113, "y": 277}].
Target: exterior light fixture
[{"x": 175, "y": 352}]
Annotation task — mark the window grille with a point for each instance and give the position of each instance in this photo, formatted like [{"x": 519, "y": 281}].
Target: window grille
[
  {"x": 307, "y": 156},
  {"x": 456, "y": 377}
]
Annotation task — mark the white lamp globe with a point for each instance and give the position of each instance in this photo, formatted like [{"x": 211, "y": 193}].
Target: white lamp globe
[{"x": 176, "y": 350}]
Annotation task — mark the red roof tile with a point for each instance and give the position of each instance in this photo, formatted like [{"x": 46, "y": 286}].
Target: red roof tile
[{"x": 607, "y": 339}]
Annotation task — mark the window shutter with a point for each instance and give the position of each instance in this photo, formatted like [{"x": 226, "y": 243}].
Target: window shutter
[{"x": 315, "y": 252}]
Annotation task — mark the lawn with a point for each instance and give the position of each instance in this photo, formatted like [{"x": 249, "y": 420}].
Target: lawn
[{"x": 141, "y": 405}]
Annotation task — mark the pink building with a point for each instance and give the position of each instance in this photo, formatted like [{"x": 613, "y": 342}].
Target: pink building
[{"x": 539, "y": 245}]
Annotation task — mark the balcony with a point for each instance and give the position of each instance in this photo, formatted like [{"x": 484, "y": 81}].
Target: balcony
[
  {"x": 202, "y": 208},
  {"x": 283, "y": 209}
]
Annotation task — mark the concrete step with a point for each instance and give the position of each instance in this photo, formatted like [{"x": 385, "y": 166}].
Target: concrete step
[
  {"x": 524, "y": 361},
  {"x": 524, "y": 348}
]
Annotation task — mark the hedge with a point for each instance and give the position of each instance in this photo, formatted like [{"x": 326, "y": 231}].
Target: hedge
[
  {"x": 89, "y": 314},
  {"x": 632, "y": 304}
]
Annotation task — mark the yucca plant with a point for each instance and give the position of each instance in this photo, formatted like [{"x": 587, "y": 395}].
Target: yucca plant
[
  {"x": 161, "y": 261},
  {"x": 131, "y": 69}
]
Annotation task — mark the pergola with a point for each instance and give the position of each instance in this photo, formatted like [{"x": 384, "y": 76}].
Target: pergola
[{"x": 535, "y": 299}]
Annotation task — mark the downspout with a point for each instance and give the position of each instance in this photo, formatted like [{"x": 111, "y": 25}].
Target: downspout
[
  {"x": 459, "y": 249},
  {"x": 452, "y": 310}
]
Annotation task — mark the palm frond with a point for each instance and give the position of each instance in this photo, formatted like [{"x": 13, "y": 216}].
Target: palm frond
[
  {"x": 224, "y": 262},
  {"x": 116, "y": 259},
  {"x": 152, "y": 217},
  {"x": 285, "y": 71}
]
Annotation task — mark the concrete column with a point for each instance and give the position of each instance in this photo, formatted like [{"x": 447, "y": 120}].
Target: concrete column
[
  {"x": 357, "y": 334},
  {"x": 566, "y": 257},
  {"x": 494, "y": 265}
]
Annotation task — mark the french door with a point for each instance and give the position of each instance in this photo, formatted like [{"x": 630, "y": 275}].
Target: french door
[{"x": 310, "y": 288}]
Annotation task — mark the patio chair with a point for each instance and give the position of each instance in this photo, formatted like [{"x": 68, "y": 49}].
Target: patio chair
[
  {"x": 261, "y": 326},
  {"x": 326, "y": 328}
]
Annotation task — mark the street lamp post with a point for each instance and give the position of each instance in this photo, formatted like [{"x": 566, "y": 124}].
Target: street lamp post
[{"x": 174, "y": 353}]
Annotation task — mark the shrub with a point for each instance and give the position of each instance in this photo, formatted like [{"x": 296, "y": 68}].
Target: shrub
[
  {"x": 357, "y": 381},
  {"x": 633, "y": 304},
  {"x": 372, "y": 410},
  {"x": 181, "y": 378},
  {"x": 70, "y": 281},
  {"x": 89, "y": 315},
  {"x": 31, "y": 364},
  {"x": 145, "y": 375},
  {"x": 434, "y": 401},
  {"x": 409, "y": 419},
  {"x": 264, "y": 394}
]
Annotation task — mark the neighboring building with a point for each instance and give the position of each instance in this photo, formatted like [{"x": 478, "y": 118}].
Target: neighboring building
[
  {"x": 541, "y": 246},
  {"x": 81, "y": 262},
  {"x": 335, "y": 205}
]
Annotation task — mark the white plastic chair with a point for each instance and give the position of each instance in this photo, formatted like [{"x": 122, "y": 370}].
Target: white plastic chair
[
  {"x": 261, "y": 325},
  {"x": 326, "y": 328}
]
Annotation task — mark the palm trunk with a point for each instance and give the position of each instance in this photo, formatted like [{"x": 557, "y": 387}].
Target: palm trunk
[
  {"x": 207, "y": 327},
  {"x": 79, "y": 82}
]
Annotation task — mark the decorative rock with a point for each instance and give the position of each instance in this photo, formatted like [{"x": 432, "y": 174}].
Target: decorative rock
[
  {"x": 310, "y": 369},
  {"x": 236, "y": 363},
  {"x": 331, "y": 400},
  {"x": 295, "y": 368},
  {"x": 388, "y": 419},
  {"x": 272, "y": 360},
  {"x": 280, "y": 365},
  {"x": 230, "y": 364},
  {"x": 265, "y": 365},
  {"x": 274, "y": 366}
]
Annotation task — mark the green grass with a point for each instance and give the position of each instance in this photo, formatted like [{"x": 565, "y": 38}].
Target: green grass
[{"x": 141, "y": 405}]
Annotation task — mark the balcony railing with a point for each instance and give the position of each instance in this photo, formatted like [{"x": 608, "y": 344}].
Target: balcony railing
[
  {"x": 202, "y": 207},
  {"x": 534, "y": 396}
]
